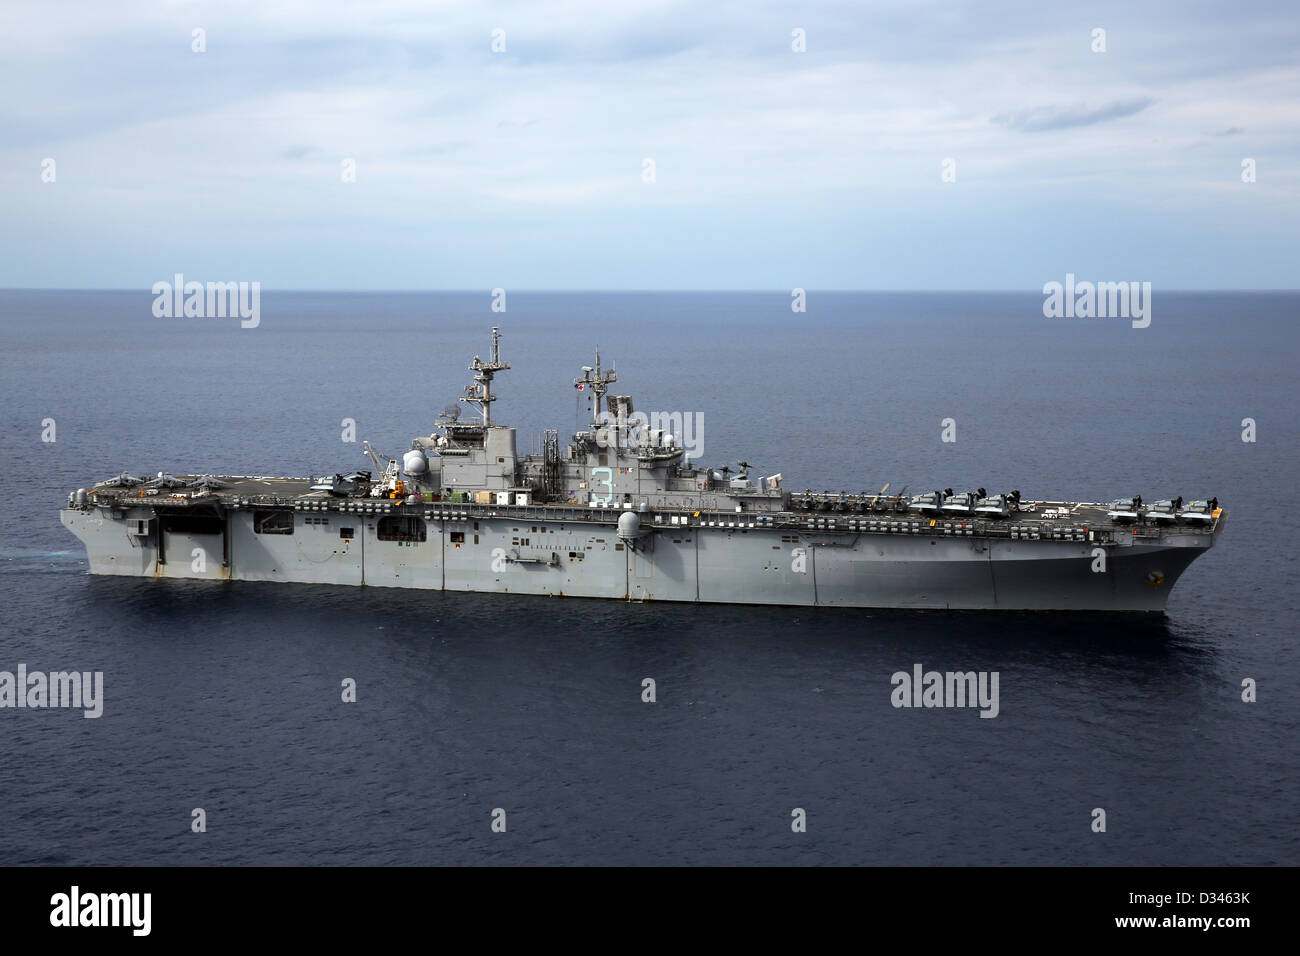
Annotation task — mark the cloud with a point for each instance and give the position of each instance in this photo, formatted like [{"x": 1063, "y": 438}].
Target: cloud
[
  {"x": 562, "y": 193},
  {"x": 525, "y": 166},
  {"x": 1043, "y": 119}
]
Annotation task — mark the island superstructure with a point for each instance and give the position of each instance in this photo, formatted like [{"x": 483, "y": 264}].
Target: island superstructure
[{"x": 621, "y": 511}]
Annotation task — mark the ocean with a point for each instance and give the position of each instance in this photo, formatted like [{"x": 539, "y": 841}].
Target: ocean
[{"x": 226, "y": 697}]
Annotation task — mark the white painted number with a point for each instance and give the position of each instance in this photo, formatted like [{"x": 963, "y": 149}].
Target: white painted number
[{"x": 607, "y": 476}]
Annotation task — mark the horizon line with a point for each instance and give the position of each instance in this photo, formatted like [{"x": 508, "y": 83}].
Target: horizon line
[{"x": 147, "y": 290}]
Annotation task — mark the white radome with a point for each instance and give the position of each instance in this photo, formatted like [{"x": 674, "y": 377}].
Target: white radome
[{"x": 414, "y": 462}]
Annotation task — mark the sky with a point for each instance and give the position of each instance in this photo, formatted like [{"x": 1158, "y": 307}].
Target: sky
[{"x": 526, "y": 167}]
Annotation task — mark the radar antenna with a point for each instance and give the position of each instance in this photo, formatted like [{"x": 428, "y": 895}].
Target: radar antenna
[
  {"x": 597, "y": 381},
  {"x": 480, "y": 393}
]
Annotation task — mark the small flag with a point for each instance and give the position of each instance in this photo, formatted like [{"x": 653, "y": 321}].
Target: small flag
[{"x": 577, "y": 386}]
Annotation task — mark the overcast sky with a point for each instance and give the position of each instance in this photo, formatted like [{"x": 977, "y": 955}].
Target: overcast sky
[{"x": 773, "y": 169}]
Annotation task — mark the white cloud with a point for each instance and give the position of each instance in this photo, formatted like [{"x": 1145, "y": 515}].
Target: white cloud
[{"x": 753, "y": 143}]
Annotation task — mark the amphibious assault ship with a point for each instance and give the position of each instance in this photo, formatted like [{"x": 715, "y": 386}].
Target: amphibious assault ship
[{"x": 621, "y": 511}]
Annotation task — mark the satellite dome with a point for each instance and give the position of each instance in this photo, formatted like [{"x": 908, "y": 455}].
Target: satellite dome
[
  {"x": 414, "y": 462},
  {"x": 629, "y": 525}
]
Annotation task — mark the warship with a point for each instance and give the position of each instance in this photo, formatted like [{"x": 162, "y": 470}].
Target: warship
[{"x": 622, "y": 511}]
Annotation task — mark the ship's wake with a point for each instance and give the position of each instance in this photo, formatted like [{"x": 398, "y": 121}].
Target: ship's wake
[{"x": 49, "y": 562}]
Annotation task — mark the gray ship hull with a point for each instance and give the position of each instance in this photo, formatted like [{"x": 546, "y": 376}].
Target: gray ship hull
[
  {"x": 525, "y": 554},
  {"x": 624, "y": 512}
]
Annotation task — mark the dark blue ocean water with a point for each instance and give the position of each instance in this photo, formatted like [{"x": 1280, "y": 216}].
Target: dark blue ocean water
[{"x": 227, "y": 697}]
